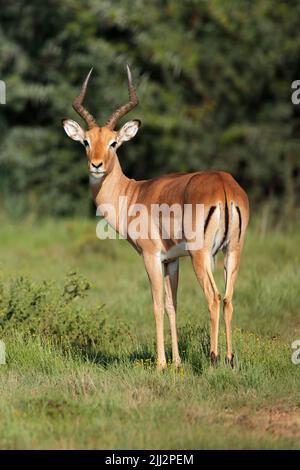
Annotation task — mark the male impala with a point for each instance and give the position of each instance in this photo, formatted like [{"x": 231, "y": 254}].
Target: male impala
[{"x": 226, "y": 214}]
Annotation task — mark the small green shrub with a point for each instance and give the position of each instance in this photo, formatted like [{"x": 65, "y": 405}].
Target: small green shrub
[{"x": 56, "y": 313}]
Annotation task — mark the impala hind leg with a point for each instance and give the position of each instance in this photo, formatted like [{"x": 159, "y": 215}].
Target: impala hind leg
[
  {"x": 231, "y": 267},
  {"x": 154, "y": 270},
  {"x": 171, "y": 271},
  {"x": 203, "y": 269}
]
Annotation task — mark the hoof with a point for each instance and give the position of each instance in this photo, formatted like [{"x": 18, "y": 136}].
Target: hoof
[
  {"x": 230, "y": 361},
  {"x": 177, "y": 364},
  {"x": 161, "y": 366},
  {"x": 214, "y": 360}
]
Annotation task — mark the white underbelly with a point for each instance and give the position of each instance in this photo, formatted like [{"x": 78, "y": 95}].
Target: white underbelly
[{"x": 175, "y": 252}]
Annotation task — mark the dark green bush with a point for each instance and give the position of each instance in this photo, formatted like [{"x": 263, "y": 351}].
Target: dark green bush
[{"x": 57, "y": 313}]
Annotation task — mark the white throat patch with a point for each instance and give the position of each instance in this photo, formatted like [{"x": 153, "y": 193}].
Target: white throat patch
[{"x": 94, "y": 180}]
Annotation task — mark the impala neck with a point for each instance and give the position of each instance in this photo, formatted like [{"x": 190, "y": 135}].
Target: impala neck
[{"x": 112, "y": 188}]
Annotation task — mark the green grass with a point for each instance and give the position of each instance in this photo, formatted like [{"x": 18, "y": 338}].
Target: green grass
[{"x": 80, "y": 369}]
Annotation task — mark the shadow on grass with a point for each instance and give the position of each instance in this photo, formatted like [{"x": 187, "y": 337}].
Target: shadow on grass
[
  {"x": 141, "y": 355},
  {"x": 194, "y": 347}
]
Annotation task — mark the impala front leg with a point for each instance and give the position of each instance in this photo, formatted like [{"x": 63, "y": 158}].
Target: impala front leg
[
  {"x": 154, "y": 270},
  {"x": 171, "y": 284}
]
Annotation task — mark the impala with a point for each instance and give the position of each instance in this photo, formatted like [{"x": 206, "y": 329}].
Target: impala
[{"x": 226, "y": 214}]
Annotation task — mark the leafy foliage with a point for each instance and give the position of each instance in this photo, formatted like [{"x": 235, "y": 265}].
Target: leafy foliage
[
  {"x": 44, "y": 310},
  {"x": 214, "y": 81}
]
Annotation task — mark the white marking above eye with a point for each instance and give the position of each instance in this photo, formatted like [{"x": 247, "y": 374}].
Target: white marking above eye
[
  {"x": 88, "y": 141},
  {"x": 111, "y": 142}
]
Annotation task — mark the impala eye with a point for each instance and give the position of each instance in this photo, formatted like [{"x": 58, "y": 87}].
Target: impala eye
[
  {"x": 85, "y": 143},
  {"x": 113, "y": 144}
]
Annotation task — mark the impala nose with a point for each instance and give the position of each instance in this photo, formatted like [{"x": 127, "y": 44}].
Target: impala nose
[{"x": 97, "y": 166}]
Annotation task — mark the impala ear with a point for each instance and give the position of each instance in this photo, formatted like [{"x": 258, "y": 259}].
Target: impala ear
[
  {"x": 73, "y": 129},
  {"x": 128, "y": 131}
]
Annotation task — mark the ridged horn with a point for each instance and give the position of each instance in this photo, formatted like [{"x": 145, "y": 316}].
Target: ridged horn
[
  {"x": 79, "y": 108},
  {"x": 132, "y": 103}
]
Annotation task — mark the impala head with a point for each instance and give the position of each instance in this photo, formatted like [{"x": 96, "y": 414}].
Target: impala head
[{"x": 101, "y": 143}]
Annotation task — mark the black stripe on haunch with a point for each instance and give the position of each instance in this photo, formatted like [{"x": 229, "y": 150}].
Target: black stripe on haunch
[
  {"x": 210, "y": 213},
  {"x": 240, "y": 221}
]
